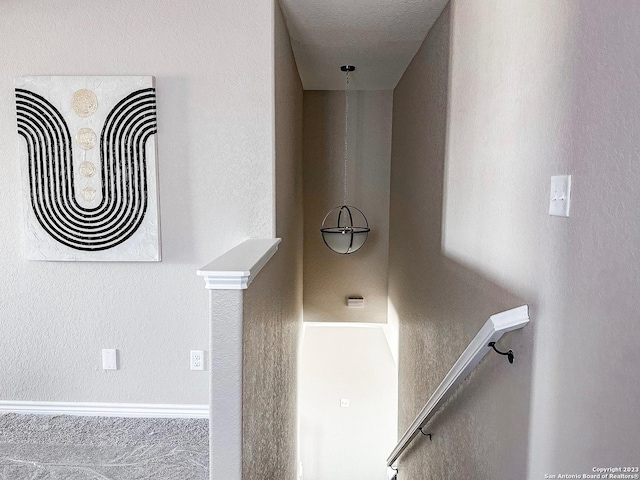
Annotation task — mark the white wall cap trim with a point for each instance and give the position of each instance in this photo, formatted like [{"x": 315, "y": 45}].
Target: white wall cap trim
[
  {"x": 136, "y": 410},
  {"x": 236, "y": 269}
]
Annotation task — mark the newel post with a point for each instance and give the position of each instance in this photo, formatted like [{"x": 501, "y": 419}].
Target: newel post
[{"x": 226, "y": 278}]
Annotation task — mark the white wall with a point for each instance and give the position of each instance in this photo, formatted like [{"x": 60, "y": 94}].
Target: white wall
[
  {"x": 346, "y": 362},
  {"x": 329, "y": 278},
  {"x": 502, "y": 95},
  {"x": 214, "y": 66}
]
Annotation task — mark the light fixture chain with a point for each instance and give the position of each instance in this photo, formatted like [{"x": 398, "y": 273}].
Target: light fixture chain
[{"x": 346, "y": 135}]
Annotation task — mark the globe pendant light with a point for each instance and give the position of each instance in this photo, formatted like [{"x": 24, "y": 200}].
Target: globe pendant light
[{"x": 345, "y": 228}]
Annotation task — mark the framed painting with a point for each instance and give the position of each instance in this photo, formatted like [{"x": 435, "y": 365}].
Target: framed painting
[{"x": 87, "y": 147}]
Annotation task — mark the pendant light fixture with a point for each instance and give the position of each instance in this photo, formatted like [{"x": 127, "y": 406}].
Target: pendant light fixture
[{"x": 345, "y": 228}]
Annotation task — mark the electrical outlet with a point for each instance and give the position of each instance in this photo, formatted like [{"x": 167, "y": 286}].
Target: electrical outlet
[
  {"x": 197, "y": 359},
  {"x": 344, "y": 402},
  {"x": 109, "y": 359}
]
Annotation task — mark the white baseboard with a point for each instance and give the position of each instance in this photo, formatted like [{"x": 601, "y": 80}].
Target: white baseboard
[{"x": 139, "y": 410}]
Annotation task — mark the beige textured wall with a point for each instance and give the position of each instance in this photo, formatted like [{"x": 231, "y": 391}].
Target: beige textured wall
[
  {"x": 329, "y": 278},
  {"x": 213, "y": 63},
  {"x": 273, "y": 303},
  {"x": 502, "y": 95}
]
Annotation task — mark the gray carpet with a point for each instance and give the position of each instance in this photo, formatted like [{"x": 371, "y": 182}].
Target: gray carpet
[{"x": 40, "y": 447}]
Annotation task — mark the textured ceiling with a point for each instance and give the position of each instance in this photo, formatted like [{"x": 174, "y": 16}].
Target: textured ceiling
[{"x": 379, "y": 37}]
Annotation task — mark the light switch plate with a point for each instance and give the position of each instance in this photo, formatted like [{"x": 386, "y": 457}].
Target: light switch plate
[{"x": 560, "y": 197}]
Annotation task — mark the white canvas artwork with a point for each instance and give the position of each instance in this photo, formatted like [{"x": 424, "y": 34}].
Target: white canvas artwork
[{"x": 87, "y": 147}]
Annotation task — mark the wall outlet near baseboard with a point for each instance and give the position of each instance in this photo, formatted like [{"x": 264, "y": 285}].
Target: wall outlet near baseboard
[
  {"x": 109, "y": 359},
  {"x": 197, "y": 359}
]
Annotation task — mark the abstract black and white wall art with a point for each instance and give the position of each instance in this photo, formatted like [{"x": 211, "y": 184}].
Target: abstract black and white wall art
[{"x": 87, "y": 147}]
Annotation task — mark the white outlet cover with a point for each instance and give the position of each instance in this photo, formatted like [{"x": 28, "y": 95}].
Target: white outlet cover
[
  {"x": 196, "y": 359},
  {"x": 344, "y": 402},
  {"x": 560, "y": 196},
  {"x": 109, "y": 359}
]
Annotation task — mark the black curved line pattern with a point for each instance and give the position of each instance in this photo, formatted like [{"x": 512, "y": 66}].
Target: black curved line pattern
[{"x": 123, "y": 161}]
